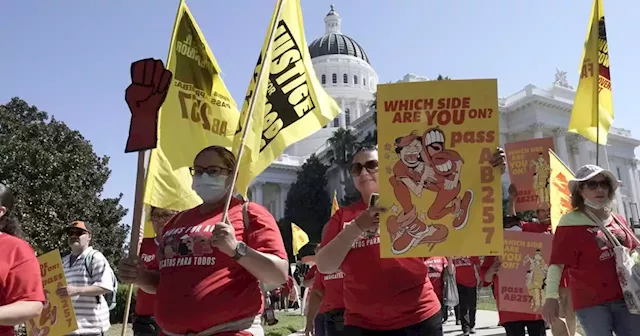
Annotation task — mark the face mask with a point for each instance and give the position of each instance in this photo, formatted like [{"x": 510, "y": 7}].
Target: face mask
[
  {"x": 595, "y": 206},
  {"x": 514, "y": 228},
  {"x": 210, "y": 188}
]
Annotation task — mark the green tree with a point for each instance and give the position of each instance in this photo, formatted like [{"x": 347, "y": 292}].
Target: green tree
[
  {"x": 308, "y": 203},
  {"x": 56, "y": 178},
  {"x": 440, "y": 77},
  {"x": 343, "y": 145}
]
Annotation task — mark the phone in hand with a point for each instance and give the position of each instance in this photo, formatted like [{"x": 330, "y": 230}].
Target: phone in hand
[{"x": 374, "y": 200}]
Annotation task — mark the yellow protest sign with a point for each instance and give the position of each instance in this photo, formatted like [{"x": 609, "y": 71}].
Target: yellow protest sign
[
  {"x": 198, "y": 112},
  {"x": 436, "y": 141},
  {"x": 559, "y": 193},
  {"x": 58, "y": 316}
]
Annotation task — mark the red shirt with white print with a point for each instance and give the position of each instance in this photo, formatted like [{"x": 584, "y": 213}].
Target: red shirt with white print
[
  {"x": 145, "y": 302},
  {"x": 436, "y": 272},
  {"x": 381, "y": 294},
  {"x": 466, "y": 270},
  {"x": 201, "y": 287},
  {"x": 331, "y": 285},
  {"x": 20, "y": 278},
  {"x": 588, "y": 256}
]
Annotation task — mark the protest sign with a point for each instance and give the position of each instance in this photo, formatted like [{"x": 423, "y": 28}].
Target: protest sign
[{"x": 529, "y": 171}]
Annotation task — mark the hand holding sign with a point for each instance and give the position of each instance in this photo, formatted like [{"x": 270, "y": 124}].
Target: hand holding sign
[{"x": 150, "y": 82}]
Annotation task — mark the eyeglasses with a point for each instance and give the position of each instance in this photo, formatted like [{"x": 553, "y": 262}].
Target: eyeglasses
[
  {"x": 211, "y": 171},
  {"x": 356, "y": 168},
  {"x": 161, "y": 217},
  {"x": 593, "y": 185}
]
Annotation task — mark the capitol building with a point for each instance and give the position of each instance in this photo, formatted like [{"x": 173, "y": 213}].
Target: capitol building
[{"x": 345, "y": 72}]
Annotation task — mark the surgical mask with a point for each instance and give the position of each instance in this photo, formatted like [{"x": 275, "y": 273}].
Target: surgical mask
[
  {"x": 596, "y": 206},
  {"x": 514, "y": 228},
  {"x": 210, "y": 188}
]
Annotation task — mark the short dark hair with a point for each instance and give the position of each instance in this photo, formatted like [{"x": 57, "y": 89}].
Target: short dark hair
[
  {"x": 226, "y": 155},
  {"x": 8, "y": 223},
  {"x": 364, "y": 149}
]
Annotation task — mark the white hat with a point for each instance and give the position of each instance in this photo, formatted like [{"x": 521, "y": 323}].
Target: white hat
[{"x": 587, "y": 172}]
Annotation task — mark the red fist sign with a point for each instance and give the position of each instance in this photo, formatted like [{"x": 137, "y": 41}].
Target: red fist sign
[{"x": 150, "y": 82}]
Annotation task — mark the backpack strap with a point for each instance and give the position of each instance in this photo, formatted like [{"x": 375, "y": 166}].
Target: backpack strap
[
  {"x": 88, "y": 261},
  {"x": 245, "y": 215}
]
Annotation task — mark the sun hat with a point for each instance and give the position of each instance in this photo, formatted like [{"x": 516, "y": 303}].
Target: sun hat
[{"x": 587, "y": 172}]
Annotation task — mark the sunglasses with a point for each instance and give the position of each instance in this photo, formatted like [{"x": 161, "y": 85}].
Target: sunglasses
[
  {"x": 593, "y": 185},
  {"x": 211, "y": 171},
  {"x": 372, "y": 167},
  {"x": 76, "y": 233}
]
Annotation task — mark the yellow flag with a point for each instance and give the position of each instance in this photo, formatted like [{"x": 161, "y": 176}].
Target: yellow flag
[
  {"x": 290, "y": 104},
  {"x": 300, "y": 238},
  {"x": 334, "y": 206},
  {"x": 559, "y": 193},
  {"x": 592, "y": 113},
  {"x": 197, "y": 113}
]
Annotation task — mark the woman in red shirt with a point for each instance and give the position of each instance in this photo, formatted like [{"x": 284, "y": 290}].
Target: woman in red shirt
[
  {"x": 580, "y": 245},
  {"x": 21, "y": 291},
  {"x": 381, "y": 296},
  {"x": 213, "y": 288},
  {"x": 438, "y": 267}
]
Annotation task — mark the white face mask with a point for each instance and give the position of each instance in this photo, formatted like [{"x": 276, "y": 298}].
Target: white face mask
[
  {"x": 596, "y": 206},
  {"x": 514, "y": 228},
  {"x": 210, "y": 188}
]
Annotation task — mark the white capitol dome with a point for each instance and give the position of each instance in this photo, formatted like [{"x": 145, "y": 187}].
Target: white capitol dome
[{"x": 344, "y": 69}]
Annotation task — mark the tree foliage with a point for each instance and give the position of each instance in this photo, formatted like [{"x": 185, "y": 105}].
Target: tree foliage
[
  {"x": 343, "y": 144},
  {"x": 56, "y": 178},
  {"x": 308, "y": 203}
]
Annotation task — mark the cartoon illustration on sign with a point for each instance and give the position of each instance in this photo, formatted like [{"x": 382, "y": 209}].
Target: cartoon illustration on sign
[
  {"x": 424, "y": 163},
  {"x": 536, "y": 276},
  {"x": 541, "y": 178},
  {"x": 49, "y": 316}
]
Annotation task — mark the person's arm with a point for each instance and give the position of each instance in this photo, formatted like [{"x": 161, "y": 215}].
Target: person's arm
[
  {"x": 336, "y": 244},
  {"x": 101, "y": 280},
  {"x": 18, "y": 312},
  {"x": 561, "y": 257},
  {"x": 266, "y": 258},
  {"x": 148, "y": 281},
  {"x": 490, "y": 267},
  {"x": 554, "y": 273},
  {"x": 315, "y": 300}
]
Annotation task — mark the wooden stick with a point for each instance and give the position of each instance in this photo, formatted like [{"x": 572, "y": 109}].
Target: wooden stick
[
  {"x": 266, "y": 64},
  {"x": 137, "y": 230}
]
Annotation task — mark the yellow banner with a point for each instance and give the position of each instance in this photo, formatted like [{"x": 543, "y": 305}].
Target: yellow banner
[
  {"x": 291, "y": 104},
  {"x": 300, "y": 238},
  {"x": 436, "y": 142},
  {"x": 334, "y": 204},
  {"x": 58, "y": 316},
  {"x": 592, "y": 113},
  {"x": 559, "y": 193},
  {"x": 198, "y": 112}
]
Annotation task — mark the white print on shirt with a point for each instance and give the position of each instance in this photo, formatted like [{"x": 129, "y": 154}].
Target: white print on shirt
[
  {"x": 334, "y": 276},
  {"x": 147, "y": 258},
  {"x": 462, "y": 261},
  {"x": 607, "y": 254},
  {"x": 187, "y": 246},
  {"x": 364, "y": 242}
]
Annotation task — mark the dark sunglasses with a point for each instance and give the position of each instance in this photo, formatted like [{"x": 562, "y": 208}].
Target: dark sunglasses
[
  {"x": 75, "y": 233},
  {"x": 372, "y": 167},
  {"x": 593, "y": 185}
]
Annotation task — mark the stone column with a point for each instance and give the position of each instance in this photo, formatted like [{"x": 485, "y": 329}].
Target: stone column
[
  {"x": 575, "y": 155},
  {"x": 257, "y": 192},
  {"x": 537, "y": 130},
  {"x": 503, "y": 139},
  {"x": 561, "y": 144},
  {"x": 636, "y": 181},
  {"x": 585, "y": 156},
  {"x": 633, "y": 187},
  {"x": 343, "y": 121},
  {"x": 284, "y": 191}
]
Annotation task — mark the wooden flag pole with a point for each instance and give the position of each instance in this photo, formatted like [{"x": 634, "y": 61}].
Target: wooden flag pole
[
  {"x": 137, "y": 229},
  {"x": 266, "y": 64}
]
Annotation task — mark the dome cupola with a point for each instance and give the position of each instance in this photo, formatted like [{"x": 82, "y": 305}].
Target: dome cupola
[{"x": 333, "y": 42}]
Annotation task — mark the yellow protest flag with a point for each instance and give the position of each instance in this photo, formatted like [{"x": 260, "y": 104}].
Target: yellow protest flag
[
  {"x": 334, "y": 205},
  {"x": 299, "y": 238},
  {"x": 592, "y": 113},
  {"x": 559, "y": 193},
  {"x": 290, "y": 104},
  {"x": 58, "y": 316},
  {"x": 198, "y": 112}
]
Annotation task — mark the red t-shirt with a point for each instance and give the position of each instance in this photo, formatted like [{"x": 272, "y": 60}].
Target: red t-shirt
[
  {"x": 436, "y": 271},
  {"x": 312, "y": 273},
  {"x": 331, "y": 285},
  {"x": 588, "y": 255},
  {"x": 381, "y": 294},
  {"x": 465, "y": 270},
  {"x": 200, "y": 286},
  {"x": 504, "y": 316},
  {"x": 145, "y": 302},
  {"x": 20, "y": 278}
]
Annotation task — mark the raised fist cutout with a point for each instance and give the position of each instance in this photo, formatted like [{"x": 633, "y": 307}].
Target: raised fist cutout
[{"x": 150, "y": 82}]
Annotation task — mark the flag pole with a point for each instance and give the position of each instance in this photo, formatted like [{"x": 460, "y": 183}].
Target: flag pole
[
  {"x": 137, "y": 229},
  {"x": 266, "y": 63}
]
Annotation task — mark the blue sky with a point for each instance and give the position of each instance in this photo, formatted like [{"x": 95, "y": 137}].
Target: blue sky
[{"x": 72, "y": 58}]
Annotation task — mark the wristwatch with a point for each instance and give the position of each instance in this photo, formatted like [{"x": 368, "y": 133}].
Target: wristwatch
[{"x": 241, "y": 250}]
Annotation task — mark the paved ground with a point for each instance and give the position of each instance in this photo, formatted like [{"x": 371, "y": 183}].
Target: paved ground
[{"x": 486, "y": 325}]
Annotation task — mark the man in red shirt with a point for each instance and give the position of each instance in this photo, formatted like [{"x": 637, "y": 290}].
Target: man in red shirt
[
  {"x": 144, "y": 324},
  {"x": 467, "y": 279}
]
